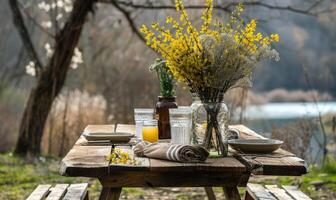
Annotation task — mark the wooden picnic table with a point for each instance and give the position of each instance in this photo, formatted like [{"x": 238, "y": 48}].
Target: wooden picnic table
[{"x": 229, "y": 172}]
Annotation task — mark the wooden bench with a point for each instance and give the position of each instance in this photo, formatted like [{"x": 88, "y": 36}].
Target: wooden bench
[
  {"x": 61, "y": 191},
  {"x": 273, "y": 192}
]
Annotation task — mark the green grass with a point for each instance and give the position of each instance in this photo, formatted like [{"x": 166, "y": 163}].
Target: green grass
[
  {"x": 19, "y": 178},
  {"x": 326, "y": 175}
]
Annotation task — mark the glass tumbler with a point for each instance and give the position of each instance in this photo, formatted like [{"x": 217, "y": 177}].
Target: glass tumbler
[
  {"x": 180, "y": 124},
  {"x": 141, "y": 115},
  {"x": 150, "y": 131}
]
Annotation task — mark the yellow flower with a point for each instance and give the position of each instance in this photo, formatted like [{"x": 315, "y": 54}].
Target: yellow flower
[
  {"x": 169, "y": 20},
  {"x": 258, "y": 37},
  {"x": 155, "y": 25},
  {"x": 266, "y": 41},
  {"x": 119, "y": 156},
  {"x": 189, "y": 59},
  {"x": 275, "y": 37},
  {"x": 207, "y": 16}
]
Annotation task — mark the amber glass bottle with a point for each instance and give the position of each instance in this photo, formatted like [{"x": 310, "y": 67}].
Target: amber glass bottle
[{"x": 162, "y": 115}]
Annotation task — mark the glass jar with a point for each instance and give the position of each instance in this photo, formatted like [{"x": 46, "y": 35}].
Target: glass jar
[
  {"x": 140, "y": 115},
  {"x": 180, "y": 124},
  {"x": 200, "y": 120},
  {"x": 150, "y": 131}
]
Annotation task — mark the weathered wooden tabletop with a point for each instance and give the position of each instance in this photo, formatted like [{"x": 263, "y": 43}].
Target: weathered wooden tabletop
[{"x": 229, "y": 172}]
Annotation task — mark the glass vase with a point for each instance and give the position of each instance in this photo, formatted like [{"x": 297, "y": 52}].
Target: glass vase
[{"x": 210, "y": 125}]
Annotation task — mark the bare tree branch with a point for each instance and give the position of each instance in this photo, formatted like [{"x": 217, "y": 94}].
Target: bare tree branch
[
  {"x": 122, "y": 5},
  {"x": 34, "y": 21},
  {"x": 225, "y": 7},
  {"x": 26, "y": 40},
  {"x": 133, "y": 5},
  {"x": 129, "y": 19},
  {"x": 284, "y": 8},
  {"x": 314, "y": 5}
]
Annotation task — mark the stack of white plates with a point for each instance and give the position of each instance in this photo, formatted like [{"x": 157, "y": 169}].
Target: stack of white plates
[{"x": 103, "y": 133}]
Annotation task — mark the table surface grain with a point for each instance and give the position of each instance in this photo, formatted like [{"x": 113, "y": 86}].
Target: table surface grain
[{"x": 90, "y": 161}]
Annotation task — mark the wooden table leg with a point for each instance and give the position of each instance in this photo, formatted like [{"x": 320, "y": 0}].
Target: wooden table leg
[
  {"x": 210, "y": 193},
  {"x": 108, "y": 193},
  {"x": 231, "y": 193},
  {"x": 248, "y": 196}
]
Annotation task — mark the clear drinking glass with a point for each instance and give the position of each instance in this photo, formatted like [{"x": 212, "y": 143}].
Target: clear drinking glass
[
  {"x": 150, "y": 131},
  {"x": 180, "y": 124},
  {"x": 141, "y": 115}
]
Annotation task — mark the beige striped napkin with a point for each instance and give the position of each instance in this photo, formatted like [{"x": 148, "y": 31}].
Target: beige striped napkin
[{"x": 173, "y": 152}]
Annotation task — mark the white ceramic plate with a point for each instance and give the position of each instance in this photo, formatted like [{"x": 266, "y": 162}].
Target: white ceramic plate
[
  {"x": 255, "y": 145},
  {"x": 118, "y": 137}
]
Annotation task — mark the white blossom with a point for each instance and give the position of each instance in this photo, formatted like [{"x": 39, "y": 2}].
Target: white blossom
[
  {"x": 46, "y": 24},
  {"x": 76, "y": 59},
  {"x": 59, "y": 16},
  {"x": 68, "y": 8},
  {"x": 30, "y": 68},
  {"x": 44, "y": 6},
  {"x": 63, "y": 8},
  {"x": 48, "y": 49},
  {"x": 53, "y": 5},
  {"x": 60, "y": 3},
  {"x": 74, "y": 65}
]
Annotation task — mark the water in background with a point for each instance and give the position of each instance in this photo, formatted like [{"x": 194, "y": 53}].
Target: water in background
[
  {"x": 289, "y": 110},
  {"x": 263, "y": 118}
]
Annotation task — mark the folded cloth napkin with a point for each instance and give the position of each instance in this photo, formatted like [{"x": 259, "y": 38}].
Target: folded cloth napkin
[{"x": 174, "y": 152}]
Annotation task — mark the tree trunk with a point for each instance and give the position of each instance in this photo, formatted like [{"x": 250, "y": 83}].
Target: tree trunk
[
  {"x": 64, "y": 125},
  {"x": 51, "y": 80}
]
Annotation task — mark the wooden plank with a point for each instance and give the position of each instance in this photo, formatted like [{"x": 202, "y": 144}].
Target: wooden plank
[
  {"x": 281, "y": 166},
  {"x": 87, "y": 161},
  {"x": 76, "y": 191},
  {"x": 246, "y": 133},
  {"x": 226, "y": 164},
  {"x": 294, "y": 192},
  {"x": 128, "y": 128},
  {"x": 272, "y": 164},
  {"x": 81, "y": 141},
  {"x": 173, "y": 179},
  {"x": 280, "y": 162},
  {"x": 279, "y": 193},
  {"x": 39, "y": 193},
  {"x": 57, "y": 192},
  {"x": 107, "y": 128},
  {"x": 258, "y": 192}
]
